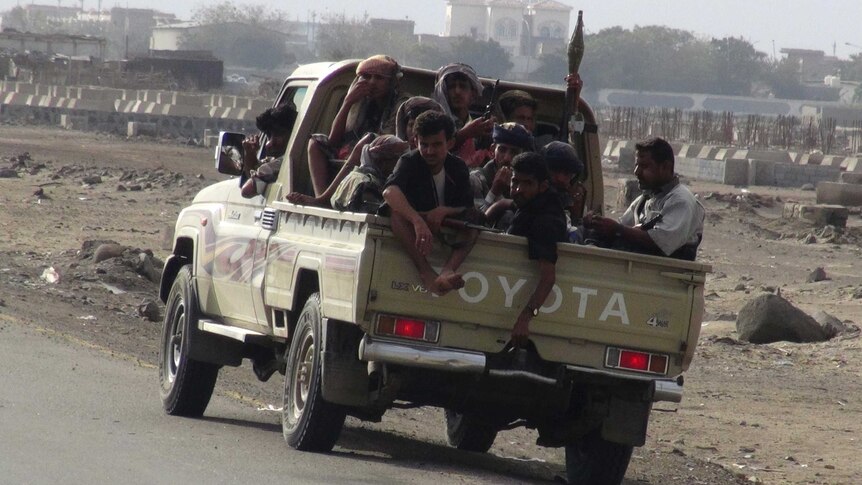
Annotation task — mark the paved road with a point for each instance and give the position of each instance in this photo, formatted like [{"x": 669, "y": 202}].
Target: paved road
[{"x": 70, "y": 413}]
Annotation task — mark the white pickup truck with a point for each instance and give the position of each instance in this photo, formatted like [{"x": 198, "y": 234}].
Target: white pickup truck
[{"x": 329, "y": 300}]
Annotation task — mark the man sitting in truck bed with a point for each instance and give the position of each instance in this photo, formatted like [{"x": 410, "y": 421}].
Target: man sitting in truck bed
[
  {"x": 541, "y": 220},
  {"x": 406, "y": 116},
  {"x": 566, "y": 170},
  {"x": 369, "y": 106},
  {"x": 358, "y": 186},
  {"x": 666, "y": 220},
  {"x": 490, "y": 182},
  {"x": 457, "y": 87},
  {"x": 427, "y": 186}
]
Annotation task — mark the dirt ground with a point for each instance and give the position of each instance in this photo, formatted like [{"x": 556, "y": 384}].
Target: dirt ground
[{"x": 777, "y": 413}]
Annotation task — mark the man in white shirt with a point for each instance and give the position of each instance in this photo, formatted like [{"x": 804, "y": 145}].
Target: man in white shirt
[{"x": 666, "y": 220}]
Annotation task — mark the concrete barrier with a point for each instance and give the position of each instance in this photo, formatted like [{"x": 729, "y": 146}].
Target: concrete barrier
[
  {"x": 839, "y": 194},
  {"x": 74, "y": 122},
  {"x": 626, "y": 159},
  {"x": 819, "y": 215},
  {"x": 691, "y": 150},
  {"x": 138, "y": 128},
  {"x": 761, "y": 172},
  {"x": 736, "y": 172},
  {"x": 848, "y": 161},
  {"x": 721, "y": 154},
  {"x": 790, "y": 175},
  {"x": 850, "y": 178},
  {"x": 832, "y": 161},
  {"x": 701, "y": 169},
  {"x": 771, "y": 155}
]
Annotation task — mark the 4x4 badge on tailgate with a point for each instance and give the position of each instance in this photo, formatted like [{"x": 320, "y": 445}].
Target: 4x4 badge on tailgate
[{"x": 659, "y": 319}]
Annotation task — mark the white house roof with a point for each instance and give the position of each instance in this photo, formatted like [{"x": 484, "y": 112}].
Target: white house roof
[{"x": 550, "y": 5}]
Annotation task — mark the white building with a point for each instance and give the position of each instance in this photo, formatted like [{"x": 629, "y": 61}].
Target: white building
[{"x": 524, "y": 28}]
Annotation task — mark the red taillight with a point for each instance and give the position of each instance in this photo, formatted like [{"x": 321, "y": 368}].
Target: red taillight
[
  {"x": 637, "y": 361},
  {"x": 409, "y": 328},
  {"x": 634, "y": 360}
]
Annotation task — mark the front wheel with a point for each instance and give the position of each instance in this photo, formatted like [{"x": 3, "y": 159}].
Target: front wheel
[
  {"x": 592, "y": 460},
  {"x": 466, "y": 433},
  {"x": 308, "y": 422},
  {"x": 186, "y": 384}
]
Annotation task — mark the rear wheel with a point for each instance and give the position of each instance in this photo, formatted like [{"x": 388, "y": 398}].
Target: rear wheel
[
  {"x": 308, "y": 422},
  {"x": 466, "y": 433},
  {"x": 595, "y": 461},
  {"x": 186, "y": 384}
]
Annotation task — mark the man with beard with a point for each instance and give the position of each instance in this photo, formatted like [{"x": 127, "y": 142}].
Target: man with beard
[
  {"x": 666, "y": 220},
  {"x": 368, "y": 107}
]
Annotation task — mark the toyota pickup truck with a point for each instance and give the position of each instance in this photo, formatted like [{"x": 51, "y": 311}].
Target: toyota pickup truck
[{"x": 330, "y": 301}]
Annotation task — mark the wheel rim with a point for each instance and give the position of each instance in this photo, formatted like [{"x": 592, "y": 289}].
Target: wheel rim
[
  {"x": 300, "y": 378},
  {"x": 174, "y": 343}
]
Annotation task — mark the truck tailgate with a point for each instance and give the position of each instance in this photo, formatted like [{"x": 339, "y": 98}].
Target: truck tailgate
[{"x": 601, "y": 297}]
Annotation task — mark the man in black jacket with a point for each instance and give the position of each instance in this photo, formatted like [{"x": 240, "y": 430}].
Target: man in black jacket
[
  {"x": 427, "y": 186},
  {"x": 541, "y": 219}
]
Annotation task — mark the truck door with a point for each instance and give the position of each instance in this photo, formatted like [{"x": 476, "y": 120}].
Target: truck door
[
  {"x": 264, "y": 217},
  {"x": 234, "y": 257}
]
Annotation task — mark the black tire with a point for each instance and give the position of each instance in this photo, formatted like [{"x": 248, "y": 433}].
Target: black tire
[
  {"x": 186, "y": 385},
  {"x": 596, "y": 461},
  {"x": 308, "y": 422},
  {"x": 465, "y": 433}
]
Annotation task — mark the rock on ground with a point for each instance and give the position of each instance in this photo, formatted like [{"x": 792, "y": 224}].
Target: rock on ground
[{"x": 771, "y": 318}]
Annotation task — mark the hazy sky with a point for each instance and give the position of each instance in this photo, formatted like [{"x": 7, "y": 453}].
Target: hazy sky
[{"x": 806, "y": 24}]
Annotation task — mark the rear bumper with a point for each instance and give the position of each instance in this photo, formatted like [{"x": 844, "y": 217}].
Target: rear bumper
[
  {"x": 463, "y": 361},
  {"x": 421, "y": 356}
]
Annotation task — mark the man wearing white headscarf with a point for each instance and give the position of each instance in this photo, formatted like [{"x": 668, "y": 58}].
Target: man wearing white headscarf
[{"x": 457, "y": 87}]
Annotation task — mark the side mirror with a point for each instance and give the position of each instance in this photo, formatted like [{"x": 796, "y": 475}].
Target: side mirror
[{"x": 228, "y": 153}]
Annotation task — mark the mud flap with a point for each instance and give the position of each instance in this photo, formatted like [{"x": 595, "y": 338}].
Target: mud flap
[
  {"x": 344, "y": 378},
  {"x": 626, "y": 422},
  {"x": 215, "y": 349}
]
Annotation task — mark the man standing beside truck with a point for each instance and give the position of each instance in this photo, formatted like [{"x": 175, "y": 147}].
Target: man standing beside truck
[
  {"x": 540, "y": 218},
  {"x": 427, "y": 186},
  {"x": 666, "y": 220}
]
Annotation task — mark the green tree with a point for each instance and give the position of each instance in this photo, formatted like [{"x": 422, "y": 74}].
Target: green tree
[
  {"x": 657, "y": 58},
  {"x": 736, "y": 64},
  {"x": 426, "y": 56},
  {"x": 783, "y": 78},
  {"x": 227, "y": 12},
  {"x": 238, "y": 44},
  {"x": 851, "y": 70},
  {"x": 488, "y": 58},
  {"x": 243, "y": 35},
  {"x": 552, "y": 68},
  {"x": 343, "y": 38}
]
